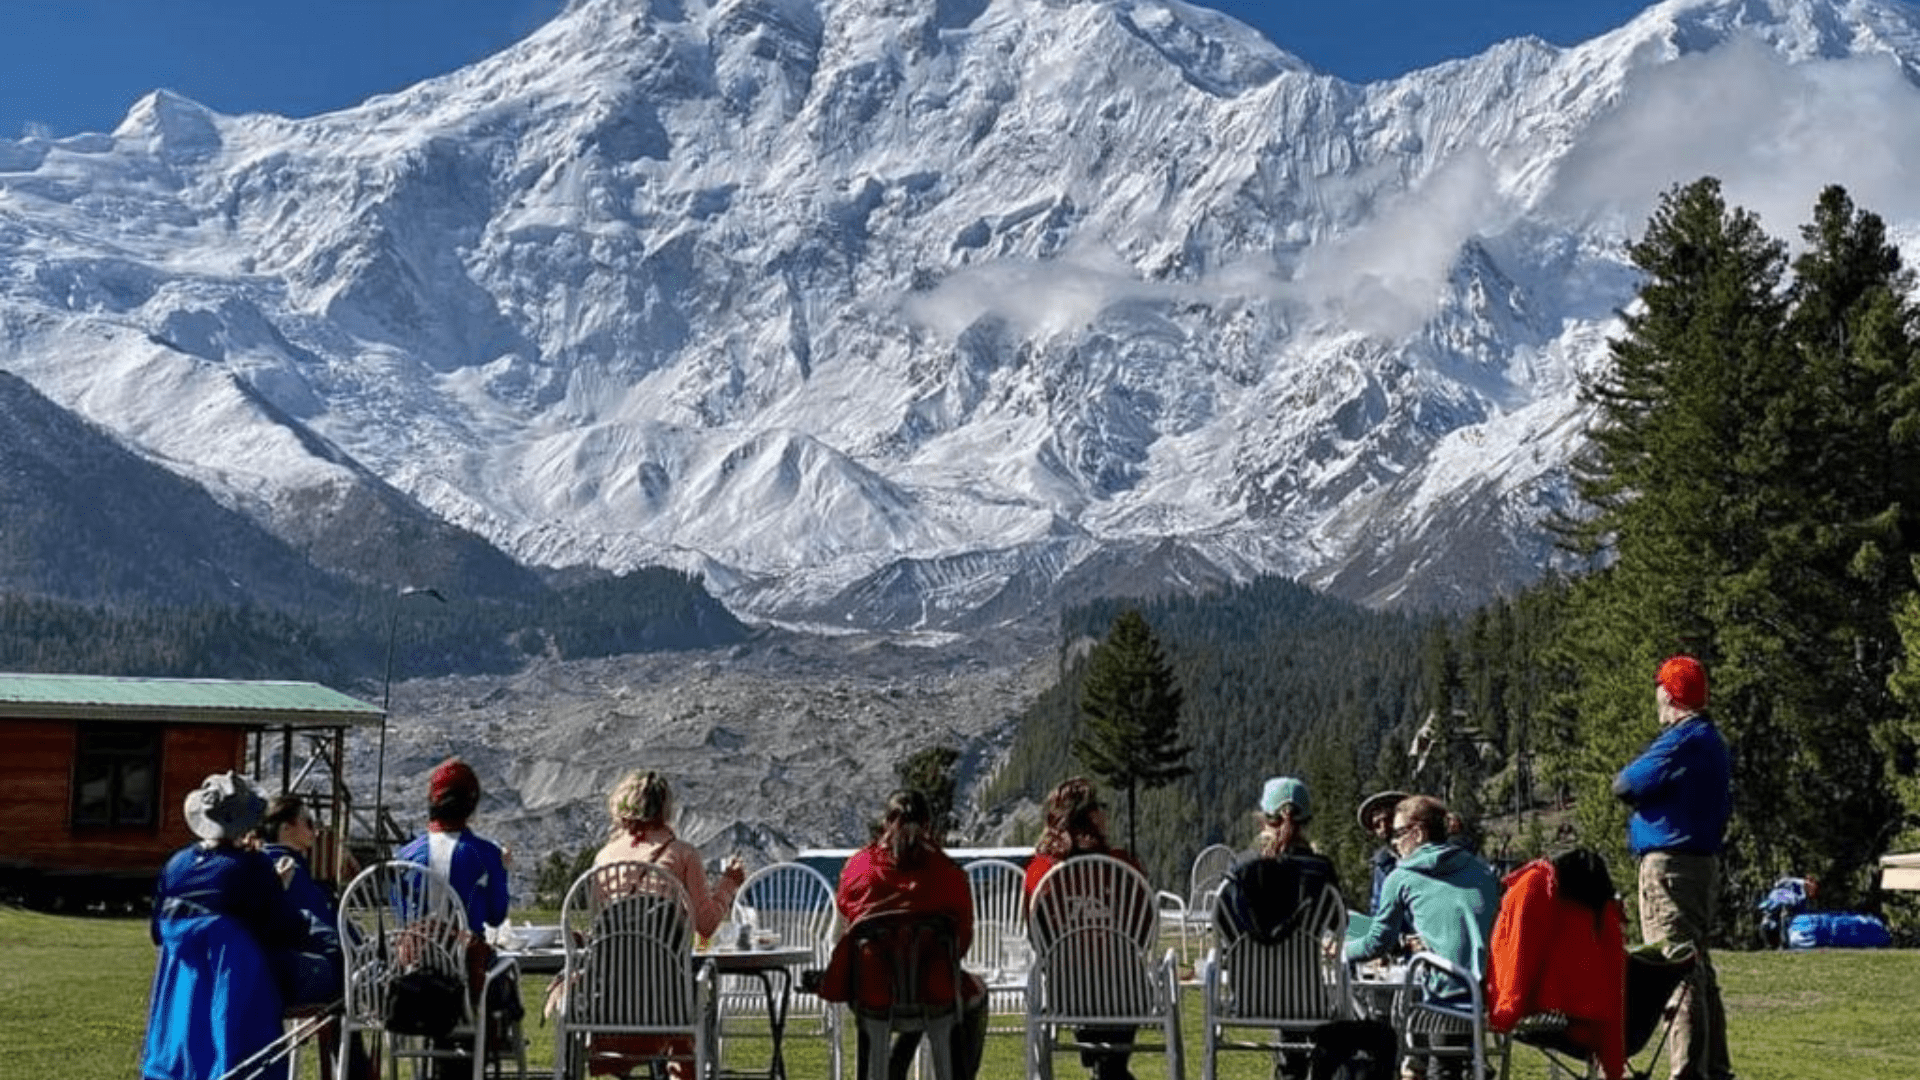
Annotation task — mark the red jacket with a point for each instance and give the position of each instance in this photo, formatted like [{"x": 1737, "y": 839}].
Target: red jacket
[
  {"x": 1038, "y": 866},
  {"x": 871, "y": 884},
  {"x": 1550, "y": 956}
]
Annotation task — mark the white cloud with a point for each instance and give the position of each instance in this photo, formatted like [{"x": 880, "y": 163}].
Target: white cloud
[
  {"x": 1775, "y": 133},
  {"x": 1387, "y": 277}
]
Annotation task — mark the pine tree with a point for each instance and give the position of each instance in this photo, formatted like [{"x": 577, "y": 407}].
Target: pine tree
[
  {"x": 1754, "y": 478},
  {"x": 930, "y": 772},
  {"x": 1671, "y": 477},
  {"x": 1131, "y": 705}
]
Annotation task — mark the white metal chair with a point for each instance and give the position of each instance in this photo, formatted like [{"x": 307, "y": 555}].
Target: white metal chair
[
  {"x": 1093, "y": 926},
  {"x": 630, "y": 980},
  {"x": 397, "y": 917},
  {"x": 1441, "y": 1012},
  {"x": 795, "y": 901},
  {"x": 999, "y": 952},
  {"x": 1289, "y": 987},
  {"x": 1194, "y": 911}
]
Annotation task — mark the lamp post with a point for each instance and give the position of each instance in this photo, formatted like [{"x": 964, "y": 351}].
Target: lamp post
[{"x": 386, "y": 703}]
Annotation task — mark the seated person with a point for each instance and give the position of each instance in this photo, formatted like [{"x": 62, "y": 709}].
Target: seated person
[
  {"x": 1438, "y": 893},
  {"x": 313, "y": 975},
  {"x": 903, "y": 869},
  {"x": 476, "y": 867},
  {"x": 1077, "y": 825},
  {"x": 1268, "y": 894},
  {"x": 1376, "y": 817},
  {"x": 642, "y": 810},
  {"x": 1285, "y": 812},
  {"x": 219, "y": 912}
]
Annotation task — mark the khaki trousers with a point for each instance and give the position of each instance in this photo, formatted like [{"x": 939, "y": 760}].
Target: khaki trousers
[{"x": 1676, "y": 904}]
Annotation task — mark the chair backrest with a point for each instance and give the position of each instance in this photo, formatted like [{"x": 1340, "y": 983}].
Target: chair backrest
[
  {"x": 793, "y": 900},
  {"x": 999, "y": 917},
  {"x": 397, "y": 917},
  {"x": 1294, "y": 979},
  {"x": 1209, "y": 871},
  {"x": 1093, "y": 926},
  {"x": 628, "y": 931},
  {"x": 917, "y": 953}
]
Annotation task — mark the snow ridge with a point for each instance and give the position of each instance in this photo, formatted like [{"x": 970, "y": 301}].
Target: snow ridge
[{"x": 886, "y": 311}]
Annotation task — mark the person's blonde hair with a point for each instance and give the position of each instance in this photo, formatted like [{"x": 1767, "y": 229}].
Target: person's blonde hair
[{"x": 639, "y": 800}]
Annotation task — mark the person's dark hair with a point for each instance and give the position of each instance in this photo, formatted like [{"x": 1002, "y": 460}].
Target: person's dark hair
[
  {"x": 453, "y": 794},
  {"x": 1427, "y": 812},
  {"x": 282, "y": 810},
  {"x": 1070, "y": 825},
  {"x": 904, "y": 830}
]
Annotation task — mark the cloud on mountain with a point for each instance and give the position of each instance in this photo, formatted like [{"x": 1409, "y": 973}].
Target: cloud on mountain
[
  {"x": 1775, "y": 131},
  {"x": 1386, "y": 278}
]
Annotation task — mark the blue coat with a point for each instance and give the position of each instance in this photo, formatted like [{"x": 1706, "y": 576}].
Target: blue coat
[
  {"x": 315, "y": 972},
  {"x": 217, "y": 913},
  {"x": 477, "y": 873},
  {"x": 1681, "y": 791}
]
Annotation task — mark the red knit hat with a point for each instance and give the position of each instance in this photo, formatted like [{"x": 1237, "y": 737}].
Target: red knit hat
[
  {"x": 1685, "y": 680},
  {"x": 450, "y": 777}
]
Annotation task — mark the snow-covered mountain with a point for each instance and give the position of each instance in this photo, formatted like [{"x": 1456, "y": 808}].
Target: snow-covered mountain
[{"x": 899, "y": 312}]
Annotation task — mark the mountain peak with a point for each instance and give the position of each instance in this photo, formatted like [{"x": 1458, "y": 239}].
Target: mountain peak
[{"x": 171, "y": 126}]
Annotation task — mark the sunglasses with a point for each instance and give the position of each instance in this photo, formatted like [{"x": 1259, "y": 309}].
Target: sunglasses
[{"x": 1402, "y": 830}]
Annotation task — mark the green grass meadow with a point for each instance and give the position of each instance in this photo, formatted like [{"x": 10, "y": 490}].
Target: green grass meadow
[{"x": 73, "y": 1000}]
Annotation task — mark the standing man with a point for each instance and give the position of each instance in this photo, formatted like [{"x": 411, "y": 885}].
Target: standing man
[{"x": 1681, "y": 795}]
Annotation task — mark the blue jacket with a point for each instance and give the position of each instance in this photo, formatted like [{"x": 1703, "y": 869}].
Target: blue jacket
[
  {"x": 477, "y": 873},
  {"x": 1445, "y": 894},
  {"x": 1680, "y": 790},
  {"x": 1383, "y": 863}
]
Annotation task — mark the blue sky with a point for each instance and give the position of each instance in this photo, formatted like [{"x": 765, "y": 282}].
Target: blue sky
[{"x": 76, "y": 65}]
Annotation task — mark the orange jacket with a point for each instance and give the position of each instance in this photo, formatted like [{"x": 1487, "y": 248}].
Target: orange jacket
[{"x": 1551, "y": 954}]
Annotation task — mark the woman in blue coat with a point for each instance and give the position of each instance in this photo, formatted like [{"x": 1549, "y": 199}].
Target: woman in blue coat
[{"x": 218, "y": 910}]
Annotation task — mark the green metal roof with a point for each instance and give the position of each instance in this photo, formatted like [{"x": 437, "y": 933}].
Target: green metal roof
[{"x": 200, "y": 701}]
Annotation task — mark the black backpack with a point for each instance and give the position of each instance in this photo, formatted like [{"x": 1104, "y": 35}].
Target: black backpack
[
  {"x": 1354, "y": 1050},
  {"x": 1266, "y": 899}
]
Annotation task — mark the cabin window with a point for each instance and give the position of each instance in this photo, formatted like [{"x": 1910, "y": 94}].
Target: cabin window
[{"x": 116, "y": 776}]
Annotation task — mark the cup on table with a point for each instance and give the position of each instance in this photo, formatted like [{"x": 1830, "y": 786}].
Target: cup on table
[{"x": 726, "y": 934}]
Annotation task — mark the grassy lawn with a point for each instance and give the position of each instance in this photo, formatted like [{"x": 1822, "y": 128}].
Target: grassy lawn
[{"x": 73, "y": 995}]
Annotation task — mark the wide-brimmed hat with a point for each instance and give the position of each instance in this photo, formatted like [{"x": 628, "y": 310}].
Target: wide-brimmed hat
[
  {"x": 225, "y": 806},
  {"x": 1375, "y": 802}
]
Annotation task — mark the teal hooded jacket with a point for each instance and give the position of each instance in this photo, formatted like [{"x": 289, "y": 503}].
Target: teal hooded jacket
[{"x": 1444, "y": 893}]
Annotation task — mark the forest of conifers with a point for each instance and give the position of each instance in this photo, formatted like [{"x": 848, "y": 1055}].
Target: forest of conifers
[
  {"x": 1751, "y": 496},
  {"x": 347, "y": 646}
]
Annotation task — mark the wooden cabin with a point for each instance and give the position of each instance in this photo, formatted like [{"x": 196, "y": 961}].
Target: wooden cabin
[{"x": 95, "y": 770}]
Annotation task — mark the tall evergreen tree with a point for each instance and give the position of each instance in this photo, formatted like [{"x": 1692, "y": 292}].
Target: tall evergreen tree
[
  {"x": 1844, "y": 501},
  {"x": 1754, "y": 479},
  {"x": 930, "y": 772},
  {"x": 1670, "y": 478},
  {"x": 1132, "y": 709}
]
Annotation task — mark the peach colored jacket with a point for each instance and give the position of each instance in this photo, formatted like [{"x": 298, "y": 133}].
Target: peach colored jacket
[{"x": 682, "y": 860}]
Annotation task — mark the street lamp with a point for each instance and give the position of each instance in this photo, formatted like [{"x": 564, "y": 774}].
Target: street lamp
[{"x": 386, "y": 702}]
